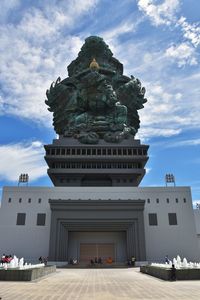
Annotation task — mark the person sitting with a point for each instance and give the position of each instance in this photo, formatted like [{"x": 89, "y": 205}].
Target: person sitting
[
  {"x": 75, "y": 261},
  {"x": 7, "y": 259},
  {"x": 45, "y": 260},
  {"x": 133, "y": 261},
  {"x": 109, "y": 260},
  {"x": 3, "y": 258},
  {"x": 95, "y": 260},
  {"x": 99, "y": 260},
  {"x": 129, "y": 263},
  {"x": 92, "y": 262}
]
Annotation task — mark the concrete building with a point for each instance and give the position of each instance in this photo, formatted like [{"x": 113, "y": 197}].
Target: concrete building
[{"x": 82, "y": 222}]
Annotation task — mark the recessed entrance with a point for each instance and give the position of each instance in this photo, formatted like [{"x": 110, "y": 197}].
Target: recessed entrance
[
  {"x": 92, "y": 250},
  {"x": 85, "y": 245}
]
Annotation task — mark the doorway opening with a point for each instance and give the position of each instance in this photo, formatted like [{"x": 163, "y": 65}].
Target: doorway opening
[{"x": 89, "y": 251}]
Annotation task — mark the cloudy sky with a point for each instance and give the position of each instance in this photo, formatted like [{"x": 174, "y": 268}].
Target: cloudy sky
[{"x": 158, "y": 41}]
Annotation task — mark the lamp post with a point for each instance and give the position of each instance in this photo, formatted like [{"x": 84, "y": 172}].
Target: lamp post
[
  {"x": 23, "y": 178},
  {"x": 169, "y": 178}
]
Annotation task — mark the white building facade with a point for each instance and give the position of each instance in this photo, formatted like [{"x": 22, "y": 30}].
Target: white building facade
[{"x": 168, "y": 226}]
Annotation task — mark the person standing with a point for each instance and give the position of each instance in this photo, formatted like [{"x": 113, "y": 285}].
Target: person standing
[
  {"x": 133, "y": 261},
  {"x": 173, "y": 273}
]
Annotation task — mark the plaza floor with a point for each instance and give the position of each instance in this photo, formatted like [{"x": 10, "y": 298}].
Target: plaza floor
[{"x": 99, "y": 284}]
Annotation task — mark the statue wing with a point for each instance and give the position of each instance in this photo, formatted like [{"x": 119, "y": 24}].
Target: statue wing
[
  {"x": 131, "y": 94},
  {"x": 61, "y": 100}
]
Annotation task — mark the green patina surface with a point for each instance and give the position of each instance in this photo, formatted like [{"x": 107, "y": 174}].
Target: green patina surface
[{"x": 96, "y": 101}]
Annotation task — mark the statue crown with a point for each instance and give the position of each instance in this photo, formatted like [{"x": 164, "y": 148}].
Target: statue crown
[{"x": 94, "y": 64}]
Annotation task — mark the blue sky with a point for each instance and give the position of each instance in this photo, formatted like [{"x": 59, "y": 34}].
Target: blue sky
[{"x": 158, "y": 41}]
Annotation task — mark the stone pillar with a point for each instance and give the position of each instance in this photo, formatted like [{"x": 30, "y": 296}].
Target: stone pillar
[
  {"x": 58, "y": 246},
  {"x": 52, "y": 242},
  {"x": 62, "y": 244},
  {"x": 136, "y": 239},
  {"x": 141, "y": 237},
  {"x": 130, "y": 237}
]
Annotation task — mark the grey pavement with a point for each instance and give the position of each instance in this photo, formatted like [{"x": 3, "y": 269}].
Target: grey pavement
[{"x": 99, "y": 284}]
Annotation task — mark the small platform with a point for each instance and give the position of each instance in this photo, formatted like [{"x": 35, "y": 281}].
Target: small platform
[
  {"x": 165, "y": 274},
  {"x": 26, "y": 275},
  {"x": 95, "y": 266}
]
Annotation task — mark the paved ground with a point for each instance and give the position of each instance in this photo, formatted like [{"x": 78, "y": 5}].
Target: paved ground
[{"x": 99, "y": 284}]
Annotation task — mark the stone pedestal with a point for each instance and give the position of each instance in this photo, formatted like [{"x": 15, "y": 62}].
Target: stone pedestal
[{"x": 74, "y": 164}]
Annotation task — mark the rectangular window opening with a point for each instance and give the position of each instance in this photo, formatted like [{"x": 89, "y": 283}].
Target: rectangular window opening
[
  {"x": 172, "y": 218},
  {"x": 41, "y": 218},
  {"x": 153, "y": 219},
  {"x": 21, "y": 218}
]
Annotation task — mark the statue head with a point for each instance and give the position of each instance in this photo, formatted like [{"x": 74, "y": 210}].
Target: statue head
[{"x": 94, "y": 47}]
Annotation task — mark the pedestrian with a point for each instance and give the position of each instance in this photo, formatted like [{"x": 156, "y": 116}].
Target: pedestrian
[{"x": 173, "y": 273}]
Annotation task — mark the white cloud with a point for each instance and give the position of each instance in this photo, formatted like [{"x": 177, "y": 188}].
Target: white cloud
[
  {"x": 165, "y": 14},
  {"x": 34, "y": 52},
  {"x": 115, "y": 32},
  {"x": 6, "y": 7},
  {"x": 156, "y": 117},
  {"x": 22, "y": 158},
  {"x": 148, "y": 170},
  {"x": 190, "y": 31},
  {"x": 146, "y": 132},
  {"x": 183, "y": 54},
  {"x": 184, "y": 143},
  {"x": 161, "y": 14},
  {"x": 34, "y": 24},
  {"x": 79, "y": 7}
]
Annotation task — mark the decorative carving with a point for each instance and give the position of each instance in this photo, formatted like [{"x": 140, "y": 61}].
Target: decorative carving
[{"x": 96, "y": 101}]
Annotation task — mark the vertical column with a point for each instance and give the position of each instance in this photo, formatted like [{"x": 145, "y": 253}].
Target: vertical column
[
  {"x": 141, "y": 235},
  {"x": 130, "y": 236},
  {"x": 62, "y": 243},
  {"x": 136, "y": 241},
  {"x": 53, "y": 237}
]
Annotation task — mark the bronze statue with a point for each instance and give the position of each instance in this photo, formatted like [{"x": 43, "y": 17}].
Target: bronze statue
[{"x": 96, "y": 101}]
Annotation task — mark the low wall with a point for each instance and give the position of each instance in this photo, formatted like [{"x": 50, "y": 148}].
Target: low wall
[
  {"x": 165, "y": 274},
  {"x": 57, "y": 263},
  {"x": 26, "y": 275}
]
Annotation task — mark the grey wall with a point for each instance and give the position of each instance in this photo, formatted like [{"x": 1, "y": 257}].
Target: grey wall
[{"x": 32, "y": 241}]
